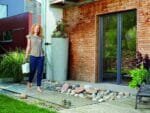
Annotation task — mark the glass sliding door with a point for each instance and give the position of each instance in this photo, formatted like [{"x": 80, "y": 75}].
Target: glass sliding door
[
  {"x": 128, "y": 43},
  {"x": 117, "y": 45},
  {"x": 110, "y": 47}
]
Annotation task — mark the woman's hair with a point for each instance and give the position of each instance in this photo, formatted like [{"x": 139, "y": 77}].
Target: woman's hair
[{"x": 40, "y": 34}]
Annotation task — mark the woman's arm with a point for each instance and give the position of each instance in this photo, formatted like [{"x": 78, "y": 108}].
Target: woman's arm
[{"x": 28, "y": 48}]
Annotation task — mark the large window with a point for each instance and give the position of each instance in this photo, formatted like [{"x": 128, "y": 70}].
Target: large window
[
  {"x": 117, "y": 45},
  {"x": 3, "y": 11}
]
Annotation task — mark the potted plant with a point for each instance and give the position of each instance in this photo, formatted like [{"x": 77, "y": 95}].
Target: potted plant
[{"x": 60, "y": 45}]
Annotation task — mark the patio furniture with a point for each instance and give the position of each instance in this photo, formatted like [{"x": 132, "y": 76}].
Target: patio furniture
[{"x": 144, "y": 91}]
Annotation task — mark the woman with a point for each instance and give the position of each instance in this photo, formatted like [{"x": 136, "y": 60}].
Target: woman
[{"x": 34, "y": 49}]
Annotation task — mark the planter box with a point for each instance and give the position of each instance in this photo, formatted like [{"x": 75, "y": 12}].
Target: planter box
[{"x": 60, "y": 58}]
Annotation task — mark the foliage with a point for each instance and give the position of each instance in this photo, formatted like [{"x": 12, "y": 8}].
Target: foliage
[
  {"x": 10, "y": 105},
  {"x": 110, "y": 44},
  {"x": 138, "y": 76},
  {"x": 129, "y": 41},
  {"x": 60, "y": 30},
  {"x": 11, "y": 65}
]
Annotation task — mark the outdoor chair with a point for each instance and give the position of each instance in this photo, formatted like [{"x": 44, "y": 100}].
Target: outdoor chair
[{"x": 144, "y": 91}]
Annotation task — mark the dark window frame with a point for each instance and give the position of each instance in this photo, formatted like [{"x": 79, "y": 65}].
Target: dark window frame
[
  {"x": 3, "y": 39},
  {"x": 119, "y": 43}
]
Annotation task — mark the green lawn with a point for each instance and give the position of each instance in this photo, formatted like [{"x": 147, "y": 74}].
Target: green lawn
[{"x": 10, "y": 105}]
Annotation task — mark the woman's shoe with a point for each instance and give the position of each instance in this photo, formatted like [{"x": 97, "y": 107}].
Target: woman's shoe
[
  {"x": 39, "y": 89},
  {"x": 29, "y": 85}
]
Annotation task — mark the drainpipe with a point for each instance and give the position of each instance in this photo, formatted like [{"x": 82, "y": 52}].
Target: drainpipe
[
  {"x": 46, "y": 44},
  {"x": 43, "y": 14}
]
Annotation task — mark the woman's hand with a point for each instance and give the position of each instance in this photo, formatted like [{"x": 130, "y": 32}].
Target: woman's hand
[{"x": 25, "y": 60}]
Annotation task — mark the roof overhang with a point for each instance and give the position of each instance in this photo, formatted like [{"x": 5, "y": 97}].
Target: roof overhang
[
  {"x": 61, "y": 3},
  {"x": 68, "y": 3}
]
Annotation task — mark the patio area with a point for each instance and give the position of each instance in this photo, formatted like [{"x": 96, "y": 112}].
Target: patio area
[{"x": 81, "y": 105}]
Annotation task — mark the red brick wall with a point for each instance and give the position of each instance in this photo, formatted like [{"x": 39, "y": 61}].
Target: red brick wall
[
  {"x": 143, "y": 26},
  {"x": 82, "y": 29}
]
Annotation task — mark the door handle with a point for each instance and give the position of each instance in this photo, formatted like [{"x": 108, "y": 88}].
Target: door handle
[{"x": 47, "y": 43}]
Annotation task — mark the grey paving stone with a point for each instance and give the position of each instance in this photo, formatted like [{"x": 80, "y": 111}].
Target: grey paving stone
[{"x": 50, "y": 96}]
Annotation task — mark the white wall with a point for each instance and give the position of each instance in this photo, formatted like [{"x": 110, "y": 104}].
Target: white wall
[{"x": 50, "y": 16}]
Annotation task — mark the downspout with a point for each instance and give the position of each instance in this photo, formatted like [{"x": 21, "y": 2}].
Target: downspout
[{"x": 43, "y": 12}]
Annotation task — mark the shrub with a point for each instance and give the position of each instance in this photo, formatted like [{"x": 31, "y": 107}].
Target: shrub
[
  {"x": 139, "y": 76},
  {"x": 59, "y": 32},
  {"x": 10, "y": 65}
]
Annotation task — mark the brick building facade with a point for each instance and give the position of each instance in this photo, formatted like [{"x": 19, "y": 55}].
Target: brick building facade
[{"x": 83, "y": 30}]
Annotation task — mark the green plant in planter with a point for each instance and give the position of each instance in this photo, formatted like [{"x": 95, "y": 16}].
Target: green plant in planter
[
  {"x": 10, "y": 65},
  {"x": 59, "y": 31},
  {"x": 138, "y": 76}
]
